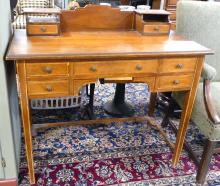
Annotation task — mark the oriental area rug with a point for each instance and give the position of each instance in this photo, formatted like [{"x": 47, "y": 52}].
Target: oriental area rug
[{"x": 120, "y": 153}]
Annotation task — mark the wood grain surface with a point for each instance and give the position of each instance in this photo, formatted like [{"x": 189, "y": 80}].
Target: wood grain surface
[
  {"x": 95, "y": 17},
  {"x": 100, "y": 45}
]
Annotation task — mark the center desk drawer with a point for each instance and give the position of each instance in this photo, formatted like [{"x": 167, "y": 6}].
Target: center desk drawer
[
  {"x": 48, "y": 88},
  {"x": 48, "y": 69},
  {"x": 109, "y": 68},
  {"x": 177, "y": 65}
]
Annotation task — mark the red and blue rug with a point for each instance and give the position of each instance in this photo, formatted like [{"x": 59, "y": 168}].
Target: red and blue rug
[{"x": 116, "y": 154}]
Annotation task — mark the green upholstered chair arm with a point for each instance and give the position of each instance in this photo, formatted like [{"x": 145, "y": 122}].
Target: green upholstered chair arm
[
  {"x": 206, "y": 108},
  {"x": 208, "y": 72},
  {"x": 210, "y": 102}
]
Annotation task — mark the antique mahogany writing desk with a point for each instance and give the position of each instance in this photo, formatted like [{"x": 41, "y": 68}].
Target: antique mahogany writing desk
[{"x": 101, "y": 42}]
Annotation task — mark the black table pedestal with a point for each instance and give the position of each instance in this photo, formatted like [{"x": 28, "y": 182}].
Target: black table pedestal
[{"x": 118, "y": 106}]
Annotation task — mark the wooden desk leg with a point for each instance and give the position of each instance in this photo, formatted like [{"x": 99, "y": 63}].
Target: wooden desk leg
[
  {"x": 26, "y": 119},
  {"x": 186, "y": 113},
  {"x": 152, "y": 103}
]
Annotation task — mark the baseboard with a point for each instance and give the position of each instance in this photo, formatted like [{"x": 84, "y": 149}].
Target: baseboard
[{"x": 8, "y": 182}]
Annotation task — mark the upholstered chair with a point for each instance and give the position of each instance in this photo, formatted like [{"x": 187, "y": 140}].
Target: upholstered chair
[
  {"x": 200, "y": 21},
  {"x": 19, "y": 17}
]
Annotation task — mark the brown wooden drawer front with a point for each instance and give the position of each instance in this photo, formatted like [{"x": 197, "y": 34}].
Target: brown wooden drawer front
[
  {"x": 172, "y": 2},
  {"x": 43, "y": 29},
  {"x": 48, "y": 69},
  {"x": 173, "y": 15},
  {"x": 114, "y": 68},
  {"x": 177, "y": 65},
  {"x": 173, "y": 26},
  {"x": 48, "y": 88},
  {"x": 156, "y": 28},
  {"x": 170, "y": 83}
]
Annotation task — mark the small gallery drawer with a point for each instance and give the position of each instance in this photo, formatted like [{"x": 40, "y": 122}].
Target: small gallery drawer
[
  {"x": 172, "y": 15},
  {"x": 177, "y": 65},
  {"x": 112, "y": 68},
  {"x": 169, "y": 83},
  {"x": 155, "y": 28},
  {"x": 48, "y": 88},
  {"x": 42, "y": 29},
  {"x": 173, "y": 26},
  {"x": 48, "y": 69},
  {"x": 171, "y": 2}
]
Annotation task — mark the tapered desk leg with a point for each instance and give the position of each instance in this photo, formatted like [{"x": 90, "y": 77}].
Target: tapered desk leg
[
  {"x": 26, "y": 119},
  {"x": 186, "y": 113}
]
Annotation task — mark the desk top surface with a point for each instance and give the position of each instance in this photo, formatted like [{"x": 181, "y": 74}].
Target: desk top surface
[{"x": 98, "y": 45}]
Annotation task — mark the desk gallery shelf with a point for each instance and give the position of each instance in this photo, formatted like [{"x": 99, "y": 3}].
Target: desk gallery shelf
[{"x": 47, "y": 21}]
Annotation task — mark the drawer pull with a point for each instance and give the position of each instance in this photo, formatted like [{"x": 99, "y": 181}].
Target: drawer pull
[
  {"x": 49, "y": 88},
  {"x": 157, "y": 28},
  {"x": 43, "y": 29},
  {"x": 176, "y": 82},
  {"x": 93, "y": 69},
  {"x": 139, "y": 67},
  {"x": 48, "y": 70},
  {"x": 179, "y": 66}
]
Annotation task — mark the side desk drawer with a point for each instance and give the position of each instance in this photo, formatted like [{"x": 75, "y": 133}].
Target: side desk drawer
[
  {"x": 109, "y": 68},
  {"x": 174, "y": 82},
  {"x": 177, "y": 65},
  {"x": 40, "y": 69},
  {"x": 50, "y": 88}
]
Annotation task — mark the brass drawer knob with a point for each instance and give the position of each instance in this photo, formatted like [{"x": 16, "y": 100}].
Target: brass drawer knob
[
  {"x": 49, "y": 88},
  {"x": 157, "y": 28},
  {"x": 93, "y": 69},
  {"x": 43, "y": 29},
  {"x": 48, "y": 70},
  {"x": 139, "y": 67},
  {"x": 176, "y": 82},
  {"x": 179, "y": 66}
]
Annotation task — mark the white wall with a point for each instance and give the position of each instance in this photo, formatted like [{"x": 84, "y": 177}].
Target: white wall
[
  {"x": 10, "y": 130},
  {"x": 2, "y": 174}
]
